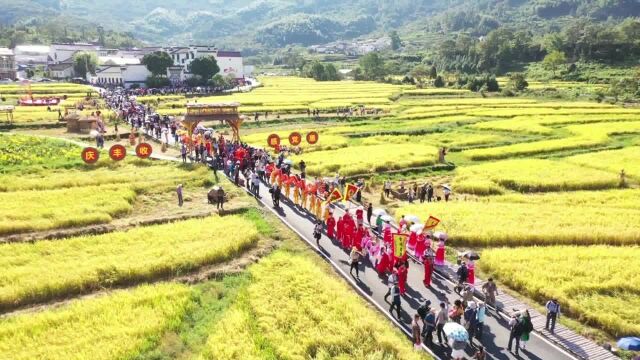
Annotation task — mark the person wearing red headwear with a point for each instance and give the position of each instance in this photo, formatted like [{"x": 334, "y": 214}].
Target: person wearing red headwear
[
  {"x": 331, "y": 223},
  {"x": 386, "y": 233},
  {"x": 360, "y": 215},
  {"x": 403, "y": 271},
  {"x": 340, "y": 230}
]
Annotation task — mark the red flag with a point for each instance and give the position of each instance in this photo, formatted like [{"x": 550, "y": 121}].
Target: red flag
[
  {"x": 334, "y": 196},
  {"x": 350, "y": 192},
  {"x": 431, "y": 223}
]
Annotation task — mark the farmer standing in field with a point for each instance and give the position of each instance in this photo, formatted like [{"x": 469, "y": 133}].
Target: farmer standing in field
[{"x": 179, "y": 192}]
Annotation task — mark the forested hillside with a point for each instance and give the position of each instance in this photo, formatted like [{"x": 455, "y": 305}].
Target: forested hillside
[{"x": 457, "y": 35}]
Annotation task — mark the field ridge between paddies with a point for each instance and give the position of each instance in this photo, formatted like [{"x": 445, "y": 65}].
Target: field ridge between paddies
[{"x": 87, "y": 263}]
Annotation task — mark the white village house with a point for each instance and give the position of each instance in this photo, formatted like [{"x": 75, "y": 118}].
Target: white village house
[{"x": 123, "y": 67}]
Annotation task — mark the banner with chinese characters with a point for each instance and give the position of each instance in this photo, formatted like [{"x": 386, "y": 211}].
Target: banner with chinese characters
[{"x": 399, "y": 245}]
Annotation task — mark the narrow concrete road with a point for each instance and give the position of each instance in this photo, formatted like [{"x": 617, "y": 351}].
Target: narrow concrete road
[{"x": 496, "y": 332}]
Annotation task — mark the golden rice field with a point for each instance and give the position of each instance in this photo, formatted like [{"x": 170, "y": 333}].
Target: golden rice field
[
  {"x": 24, "y": 211},
  {"x": 291, "y": 94},
  {"x": 527, "y": 173},
  {"x": 327, "y": 141},
  {"x": 71, "y": 198},
  {"x": 581, "y": 136},
  {"x": 87, "y": 263},
  {"x": 117, "y": 326},
  {"x": 44, "y": 89},
  {"x": 537, "y": 175},
  {"x": 48, "y": 187},
  {"x": 355, "y": 160},
  {"x": 291, "y": 311},
  {"x": 627, "y": 159},
  {"x": 489, "y": 222},
  {"x": 595, "y": 284},
  {"x": 287, "y": 291},
  {"x": 18, "y": 152}
]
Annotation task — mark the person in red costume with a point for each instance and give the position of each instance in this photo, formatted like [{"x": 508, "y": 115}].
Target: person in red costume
[
  {"x": 385, "y": 262},
  {"x": 403, "y": 271},
  {"x": 413, "y": 239},
  {"x": 428, "y": 260},
  {"x": 421, "y": 246},
  {"x": 348, "y": 231},
  {"x": 360, "y": 215},
  {"x": 331, "y": 224},
  {"x": 340, "y": 230},
  {"x": 358, "y": 236},
  {"x": 386, "y": 233},
  {"x": 440, "y": 253},
  {"x": 471, "y": 272}
]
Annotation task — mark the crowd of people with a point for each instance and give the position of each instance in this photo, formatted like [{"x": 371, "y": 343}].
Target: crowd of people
[{"x": 367, "y": 236}]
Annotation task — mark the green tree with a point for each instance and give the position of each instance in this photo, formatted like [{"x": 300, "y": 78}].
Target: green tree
[
  {"x": 553, "y": 60},
  {"x": 205, "y": 67},
  {"x": 419, "y": 73},
  {"x": 230, "y": 80},
  {"x": 85, "y": 62},
  {"x": 433, "y": 72},
  {"x": 438, "y": 82},
  {"x": 517, "y": 81},
  {"x": 331, "y": 73},
  {"x": 218, "y": 81},
  {"x": 157, "y": 82},
  {"x": 372, "y": 66},
  {"x": 317, "y": 71},
  {"x": 157, "y": 62},
  {"x": 396, "y": 43}
]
